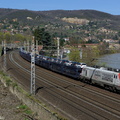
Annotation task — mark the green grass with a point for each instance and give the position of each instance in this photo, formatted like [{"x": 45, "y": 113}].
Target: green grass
[{"x": 24, "y": 108}]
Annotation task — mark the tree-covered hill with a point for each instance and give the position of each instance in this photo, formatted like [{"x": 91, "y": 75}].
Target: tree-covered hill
[
  {"x": 88, "y": 14},
  {"x": 78, "y": 25},
  {"x": 55, "y": 16}
]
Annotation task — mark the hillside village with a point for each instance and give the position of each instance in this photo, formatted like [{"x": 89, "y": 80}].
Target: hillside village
[{"x": 73, "y": 30}]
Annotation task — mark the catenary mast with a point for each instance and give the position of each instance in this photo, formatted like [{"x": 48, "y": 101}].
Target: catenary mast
[{"x": 33, "y": 67}]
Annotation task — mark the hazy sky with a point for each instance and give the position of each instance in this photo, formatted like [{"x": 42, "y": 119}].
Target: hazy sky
[{"x": 108, "y": 6}]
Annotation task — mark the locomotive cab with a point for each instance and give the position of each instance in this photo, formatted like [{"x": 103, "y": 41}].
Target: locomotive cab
[{"x": 117, "y": 81}]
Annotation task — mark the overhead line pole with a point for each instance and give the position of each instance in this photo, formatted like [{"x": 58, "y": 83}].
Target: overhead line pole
[
  {"x": 32, "y": 90},
  {"x": 28, "y": 46},
  {"x": 81, "y": 52},
  {"x": 37, "y": 47},
  {"x": 5, "y": 64},
  {"x": 58, "y": 47}
]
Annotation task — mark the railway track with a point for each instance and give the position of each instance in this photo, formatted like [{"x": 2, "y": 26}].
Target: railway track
[{"x": 74, "y": 99}]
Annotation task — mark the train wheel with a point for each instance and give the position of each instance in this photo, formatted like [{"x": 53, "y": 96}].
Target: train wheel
[
  {"x": 114, "y": 89},
  {"x": 106, "y": 87},
  {"x": 110, "y": 88}
]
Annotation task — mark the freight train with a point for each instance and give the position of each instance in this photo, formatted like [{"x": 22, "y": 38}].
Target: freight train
[
  {"x": 68, "y": 68},
  {"x": 108, "y": 79}
]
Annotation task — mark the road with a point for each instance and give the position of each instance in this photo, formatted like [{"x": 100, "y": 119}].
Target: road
[{"x": 71, "y": 98}]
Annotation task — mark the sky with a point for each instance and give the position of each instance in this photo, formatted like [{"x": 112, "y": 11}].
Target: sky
[{"x": 108, "y": 6}]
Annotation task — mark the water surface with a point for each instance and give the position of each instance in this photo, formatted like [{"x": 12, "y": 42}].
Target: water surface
[{"x": 112, "y": 60}]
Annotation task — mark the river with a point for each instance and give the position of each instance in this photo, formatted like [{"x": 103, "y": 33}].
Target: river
[{"x": 112, "y": 60}]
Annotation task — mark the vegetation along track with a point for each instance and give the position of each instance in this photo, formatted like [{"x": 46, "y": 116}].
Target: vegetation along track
[{"x": 74, "y": 99}]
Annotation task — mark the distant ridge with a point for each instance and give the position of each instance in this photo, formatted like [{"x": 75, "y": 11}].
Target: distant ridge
[{"x": 54, "y": 16}]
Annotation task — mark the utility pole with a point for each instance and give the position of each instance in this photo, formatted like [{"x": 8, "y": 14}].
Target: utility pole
[
  {"x": 32, "y": 90},
  {"x": 61, "y": 55},
  {"x": 2, "y": 44},
  {"x": 37, "y": 47},
  {"x": 58, "y": 47},
  {"x": 27, "y": 45},
  {"x": 81, "y": 53},
  {"x": 5, "y": 64}
]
